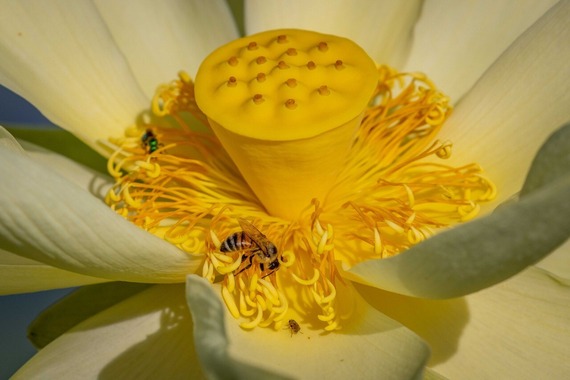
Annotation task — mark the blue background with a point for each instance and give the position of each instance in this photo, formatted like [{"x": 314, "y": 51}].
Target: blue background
[{"x": 17, "y": 311}]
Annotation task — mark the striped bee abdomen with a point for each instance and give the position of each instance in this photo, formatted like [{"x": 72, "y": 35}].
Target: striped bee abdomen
[{"x": 237, "y": 241}]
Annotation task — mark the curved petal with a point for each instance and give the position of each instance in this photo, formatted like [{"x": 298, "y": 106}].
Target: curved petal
[
  {"x": 8, "y": 142},
  {"x": 60, "y": 57},
  {"x": 518, "y": 329},
  {"x": 170, "y": 35},
  {"x": 46, "y": 218},
  {"x": 21, "y": 275},
  {"x": 557, "y": 264},
  {"x": 518, "y": 102},
  {"x": 455, "y": 42},
  {"x": 78, "y": 306},
  {"x": 370, "y": 345},
  {"x": 88, "y": 179},
  {"x": 382, "y": 28},
  {"x": 146, "y": 336}
]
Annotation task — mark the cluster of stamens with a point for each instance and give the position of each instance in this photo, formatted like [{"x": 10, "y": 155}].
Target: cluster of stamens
[{"x": 387, "y": 198}]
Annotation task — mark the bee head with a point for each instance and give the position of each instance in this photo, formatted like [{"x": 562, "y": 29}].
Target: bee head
[{"x": 274, "y": 265}]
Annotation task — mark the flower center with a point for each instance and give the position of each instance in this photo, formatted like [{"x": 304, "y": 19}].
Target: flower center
[
  {"x": 283, "y": 103},
  {"x": 292, "y": 153}
]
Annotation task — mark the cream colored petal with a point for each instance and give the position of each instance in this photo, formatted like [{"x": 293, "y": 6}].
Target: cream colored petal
[
  {"x": 382, "y": 28},
  {"x": 515, "y": 330},
  {"x": 478, "y": 254},
  {"x": 146, "y": 336},
  {"x": 161, "y": 38},
  {"x": 46, "y": 218},
  {"x": 518, "y": 329},
  {"x": 517, "y": 104},
  {"x": 8, "y": 141},
  {"x": 557, "y": 264},
  {"x": 370, "y": 345},
  {"x": 60, "y": 56},
  {"x": 21, "y": 275},
  {"x": 455, "y": 42},
  {"x": 88, "y": 179}
]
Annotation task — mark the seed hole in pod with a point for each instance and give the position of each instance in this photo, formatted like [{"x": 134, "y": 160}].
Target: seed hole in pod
[
  {"x": 324, "y": 90},
  {"x": 282, "y": 65},
  {"x": 233, "y": 61},
  {"x": 260, "y": 77},
  {"x": 252, "y": 46},
  {"x": 232, "y": 82},
  {"x": 260, "y": 60},
  {"x": 258, "y": 99},
  {"x": 311, "y": 65},
  {"x": 323, "y": 46},
  {"x": 291, "y": 104},
  {"x": 281, "y": 39}
]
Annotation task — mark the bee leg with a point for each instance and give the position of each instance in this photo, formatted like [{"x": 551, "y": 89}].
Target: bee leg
[
  {"x": 270, "y": 273},
  {"x": 247, "y": 266}
]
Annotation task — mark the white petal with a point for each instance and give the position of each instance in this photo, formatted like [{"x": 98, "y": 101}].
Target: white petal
[
  {"x": 46, "y": 218},
  {"x": 382, "y": 28},
  {"x": 518, "y": 102},
  {"x": 455, "y": 42},
  {"x": 60, "y": 57},
  {"x": 557, "y": 264},
  {"x": 517, "y": 330},
  {"x": 370, "y": 345},
  {"x": 170, "y": 35},
  {"x": 8, "y": 141},
  {"x": 88, "y": 179},
  {"x": 21, "y": 275},
  {"x": 147, "y": 336}
]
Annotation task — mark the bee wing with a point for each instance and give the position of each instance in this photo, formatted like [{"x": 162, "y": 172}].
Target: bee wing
[{"x": 254, "y": 234}]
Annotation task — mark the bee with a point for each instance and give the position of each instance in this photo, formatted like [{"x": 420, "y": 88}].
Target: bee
[
  {"x": 293, "y": 326},
  {"x": 255, "y": 244},
  {"x": 149, "y": 141}
]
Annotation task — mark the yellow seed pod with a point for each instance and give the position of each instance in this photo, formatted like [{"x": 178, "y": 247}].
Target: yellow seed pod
[{"x": 285, "y": 84}]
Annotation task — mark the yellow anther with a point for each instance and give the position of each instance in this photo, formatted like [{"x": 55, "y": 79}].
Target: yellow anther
[
  {"x": 261, "y": 301},
  {"x": 415, "y": 236},
  {"x": 253, "y": 283},
  {"x": 215, "y": 239},
  {"x": 249, "y": 301},
  {"x": 311, "y": 281},
  {"x": 225, "y": 269},
  {"x": 332, "y": 326},
  {"x": 223, "y": 258},
  {"x": 230, "y": 302},
  {"x": 243, "y": 307},
  {"x": 411, "y": 219},
  {"x": 287, "y": 259},
  {"x": 465, "y": 216},
  {"x": 332, "y": 294},
  {"x": 129, "y": 199},
  {"x": 394, "y": 226},
  {"x": 322, "y": 242},
  {"x": 326, "y": 318},
  {"x": 231, "y": 282},
  {"x": 255, "y": 322},
  {"x": 377, "y": 242},
  {"x": 269, "y": 286},
  {"x": 445, "y": 151},
  {"x": 410, "y": 195},
  {"x": 319, "y": 227}
]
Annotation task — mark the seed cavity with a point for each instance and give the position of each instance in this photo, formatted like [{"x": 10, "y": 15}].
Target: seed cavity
[
  {"x": 232, "y": 82},
  {"x": 311, "y": 65},
  {"x": 282, "y": 65},
  {"x": 233, "y": 61},
  {"x": 252, "y": 46},
  {"x": 291, "y": 82},
  {"x": 258, "y": 99},
  {"x": 324, "y": 90},
  {"x": 282, "y": 39},
  {"x": 291, "y": 51},
  {"x": 260, "y": 77},
  {"x": 291, "y": 104},
  {"x": 323, "y": 46},
  {"x": 260, "y": 60}
]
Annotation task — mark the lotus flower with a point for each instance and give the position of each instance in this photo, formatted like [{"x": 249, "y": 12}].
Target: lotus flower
[{"x": 373, "y": 267}]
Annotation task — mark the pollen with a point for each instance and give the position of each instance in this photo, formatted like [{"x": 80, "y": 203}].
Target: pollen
[{"x": 394, "y": 187}]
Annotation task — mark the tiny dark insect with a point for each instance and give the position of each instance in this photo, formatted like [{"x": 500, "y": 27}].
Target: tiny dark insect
[
  {"x": 254, "y": 244},
  {"x": 293, "y": 326},
  {"x": 149, "y": 141}
]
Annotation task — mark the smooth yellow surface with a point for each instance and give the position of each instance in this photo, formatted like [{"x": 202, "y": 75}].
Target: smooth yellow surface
[{"x": 272, "y": 68}]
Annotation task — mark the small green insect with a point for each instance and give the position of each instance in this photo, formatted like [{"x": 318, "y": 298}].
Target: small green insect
[{"x": 149, "y": 141}]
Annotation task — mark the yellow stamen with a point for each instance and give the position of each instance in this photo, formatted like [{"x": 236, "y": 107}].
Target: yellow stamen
[{"x": 329, "y": 157}]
